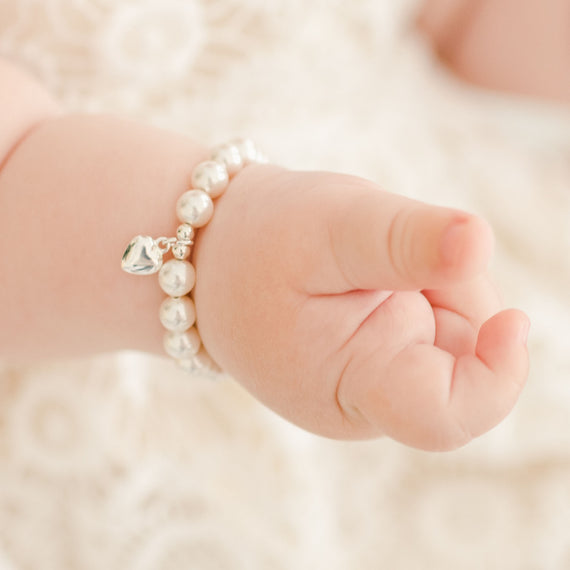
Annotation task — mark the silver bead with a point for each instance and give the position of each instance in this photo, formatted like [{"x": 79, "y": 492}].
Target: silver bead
[
  {"x": 185, "y": 232},
  {"x": 180, "y": 250},
  {"x": 182, "y": 345},
  {"x": 177, "y": 313},
  {"x": 247, "y": 150},
  {"x": 210, "y": 176},
  {"x": 229, "y": 155},
  {"x": 195, "y": 207},
  {"x": 177, "y": 277}
]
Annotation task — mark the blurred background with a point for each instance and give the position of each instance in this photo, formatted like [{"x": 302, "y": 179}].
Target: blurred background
[{"x": 123, "y": 462}]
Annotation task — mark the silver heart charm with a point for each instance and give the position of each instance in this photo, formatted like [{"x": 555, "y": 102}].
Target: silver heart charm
[{"x": 142, "y": 256}]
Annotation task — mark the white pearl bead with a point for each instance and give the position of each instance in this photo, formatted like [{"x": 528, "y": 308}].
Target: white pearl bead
[
  {"x": 182, "y": 345},
  {"x": 176, "y": 277},
  {"x": 200, "y": 362},
  {"x": 177, "y": 313},
  {"x": 195, "y": 207},
  {"x": 247, "y": 150},
  {"x": 229, "y": 155},
  {"x": 210, "y": 176},
  {"x": 185, "y": 232}
]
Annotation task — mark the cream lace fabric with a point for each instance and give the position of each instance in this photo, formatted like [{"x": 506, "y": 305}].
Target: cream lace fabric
[{"x": 122, "y": 462}]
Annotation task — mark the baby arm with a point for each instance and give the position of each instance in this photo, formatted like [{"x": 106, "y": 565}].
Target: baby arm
[
  {"x": 350, "y": 311},
  {"x": 73, "y": 191}
]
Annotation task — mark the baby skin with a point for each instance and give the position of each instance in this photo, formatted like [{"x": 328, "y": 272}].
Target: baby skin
[{"x": 351, "y": 311}]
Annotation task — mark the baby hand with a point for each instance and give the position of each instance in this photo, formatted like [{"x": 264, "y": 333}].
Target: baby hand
[{"x": 354, "y": 312}]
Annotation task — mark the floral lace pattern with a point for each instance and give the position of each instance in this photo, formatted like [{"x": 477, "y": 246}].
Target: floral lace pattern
[{"x": 122, "y": 462}]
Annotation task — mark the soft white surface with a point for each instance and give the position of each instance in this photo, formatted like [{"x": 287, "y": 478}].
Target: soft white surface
[{"x": 124, "y": 463}]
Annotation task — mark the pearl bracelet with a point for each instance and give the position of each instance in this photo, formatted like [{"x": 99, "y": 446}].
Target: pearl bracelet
[{"x": 176, "y": 277}]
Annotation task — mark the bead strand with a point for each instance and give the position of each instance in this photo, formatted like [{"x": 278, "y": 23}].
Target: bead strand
[{"x": 177, "y": 276}]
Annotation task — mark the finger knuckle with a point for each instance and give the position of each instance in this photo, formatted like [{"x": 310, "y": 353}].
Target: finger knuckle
[{"x": 401, "y": 244}]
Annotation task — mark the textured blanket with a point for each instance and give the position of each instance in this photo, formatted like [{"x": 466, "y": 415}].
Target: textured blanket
[{"x": 123, "y": 462}]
